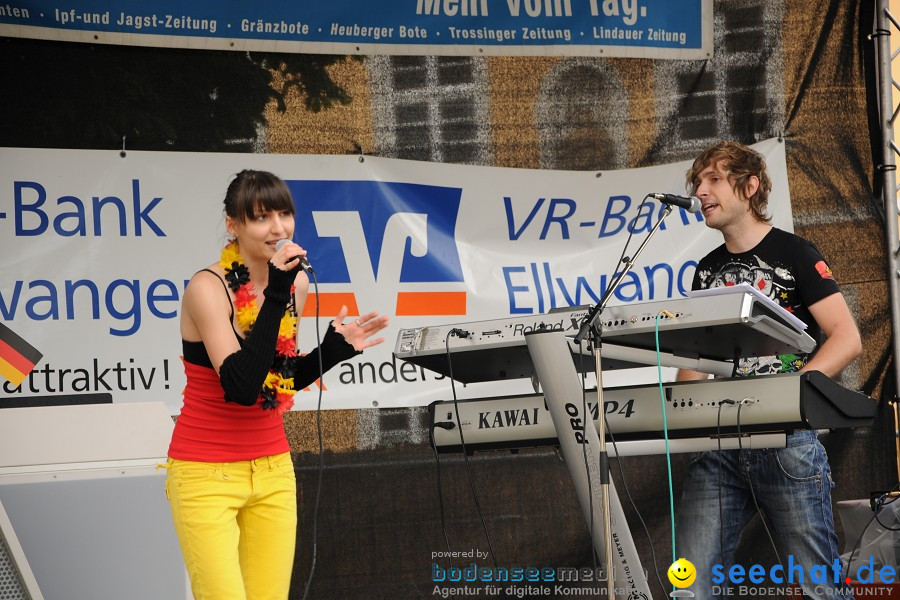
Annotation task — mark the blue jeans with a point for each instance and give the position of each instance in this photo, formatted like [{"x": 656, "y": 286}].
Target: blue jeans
[{"x": 793, "y": 488}]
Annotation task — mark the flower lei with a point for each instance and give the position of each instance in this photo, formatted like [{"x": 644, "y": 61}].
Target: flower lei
[{"x": 277, "y": 391}]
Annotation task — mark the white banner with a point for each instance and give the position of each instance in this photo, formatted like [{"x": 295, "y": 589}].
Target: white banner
[{"x": 95, "y": 252}]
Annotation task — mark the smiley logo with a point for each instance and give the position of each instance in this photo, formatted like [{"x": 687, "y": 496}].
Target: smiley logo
[{"x": 682, "y": 573}]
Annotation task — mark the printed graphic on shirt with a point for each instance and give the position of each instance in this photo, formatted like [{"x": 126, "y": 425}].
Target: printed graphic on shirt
[
  {"x": 824, "y": 270},
  {"x": 775, "y": 281},
  {"x": 770, "y": 365}
]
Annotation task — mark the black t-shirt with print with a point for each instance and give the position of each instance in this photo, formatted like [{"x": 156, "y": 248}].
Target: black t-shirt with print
[{"x": 788, "y": 269}]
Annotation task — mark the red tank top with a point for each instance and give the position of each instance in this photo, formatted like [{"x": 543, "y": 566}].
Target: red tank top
[{"x": 212, "y": 430}]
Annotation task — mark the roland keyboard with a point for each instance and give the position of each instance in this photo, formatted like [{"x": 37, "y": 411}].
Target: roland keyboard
[
  {"x": 768, "y": 404},
  {"x": 714, "y": 328}
]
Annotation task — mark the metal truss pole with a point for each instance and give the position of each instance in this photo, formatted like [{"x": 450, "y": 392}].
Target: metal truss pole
[{"x": 884, "y": 24}]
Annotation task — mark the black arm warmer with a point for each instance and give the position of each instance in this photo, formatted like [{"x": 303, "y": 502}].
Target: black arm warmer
[
  {"x": 334, "y": 349},
  {"x": 242, "y": 373}
]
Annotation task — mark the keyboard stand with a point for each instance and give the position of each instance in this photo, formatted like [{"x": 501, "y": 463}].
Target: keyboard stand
[{"x": 580, "y": 443}]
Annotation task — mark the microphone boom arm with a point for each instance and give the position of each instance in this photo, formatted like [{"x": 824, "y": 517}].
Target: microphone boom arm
[{"x": 588, "y": 324}]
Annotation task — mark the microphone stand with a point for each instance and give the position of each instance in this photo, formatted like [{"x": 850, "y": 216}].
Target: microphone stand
[{"x": 593, "y": 325}]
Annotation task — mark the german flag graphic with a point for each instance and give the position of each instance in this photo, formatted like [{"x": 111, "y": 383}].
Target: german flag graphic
[{"x": 17, "y": 357}]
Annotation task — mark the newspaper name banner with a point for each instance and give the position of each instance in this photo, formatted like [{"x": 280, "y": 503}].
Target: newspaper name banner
[
  {"x": 96, "y": 251},
  {"x": 635, "y": 28}
]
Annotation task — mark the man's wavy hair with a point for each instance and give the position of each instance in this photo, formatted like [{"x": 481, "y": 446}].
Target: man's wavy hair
[{"x": 740, "y": 163}]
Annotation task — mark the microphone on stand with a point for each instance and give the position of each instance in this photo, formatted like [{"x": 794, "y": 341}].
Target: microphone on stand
[
  {"x": 304, "y": 263},
  {"x": 691, "y": 204}
]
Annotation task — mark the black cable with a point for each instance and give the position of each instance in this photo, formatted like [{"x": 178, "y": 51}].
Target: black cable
[
  {"x": 624, "y": 486},
  {"x": 879, "y": 504},
  {"x": 315, "y": 523},
  {"x": 462, "y": 442},
  {"x": 752, "y": 492},
  {"x": 584, "y": 400},
  {"x": 634, "y": 506},
  {"x": 584, "y": 446},
  {"x": 440, "y": 491},
  {"x": 855, "y": 548}
]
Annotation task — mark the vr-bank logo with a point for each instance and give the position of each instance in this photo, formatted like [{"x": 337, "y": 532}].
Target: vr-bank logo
[{"x": 399, "y": 237}]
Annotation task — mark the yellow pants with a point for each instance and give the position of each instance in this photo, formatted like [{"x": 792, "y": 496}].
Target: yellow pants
[{"x": 237, "y": 526}]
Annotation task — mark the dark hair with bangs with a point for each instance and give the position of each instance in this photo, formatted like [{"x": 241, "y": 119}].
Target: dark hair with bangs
[
  {"x": 741, "y": 163},
  {"x": 252, "y": 191}
]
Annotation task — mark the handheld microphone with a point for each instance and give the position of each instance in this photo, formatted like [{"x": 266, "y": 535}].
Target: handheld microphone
[
  {"x": 691, "y": 204},
  {"x": 304, "y": 263}
]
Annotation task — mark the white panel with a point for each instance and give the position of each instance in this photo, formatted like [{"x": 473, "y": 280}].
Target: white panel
[{"x": 86, "y": 433}]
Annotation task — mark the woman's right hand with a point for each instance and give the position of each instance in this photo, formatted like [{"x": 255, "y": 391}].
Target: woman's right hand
[
  {"x": 287, "y": 257},
  {"x": 283, "y": 268}
]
